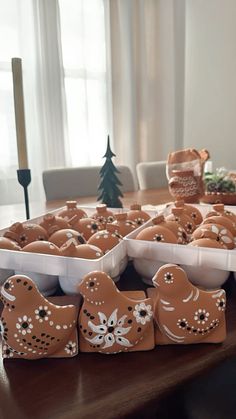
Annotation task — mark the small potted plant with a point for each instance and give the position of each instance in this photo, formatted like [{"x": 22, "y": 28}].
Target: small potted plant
[{"x": 220, "y": 186}]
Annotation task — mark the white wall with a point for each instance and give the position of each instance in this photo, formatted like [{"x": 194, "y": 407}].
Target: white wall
[{"x": 210, "y": 79}]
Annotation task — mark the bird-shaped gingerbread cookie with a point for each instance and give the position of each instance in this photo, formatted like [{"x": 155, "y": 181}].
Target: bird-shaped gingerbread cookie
[
  {"x": 184, "y": 313},
  {"x": 31, "y": 326},
  {"x": 112, "y": 321}
]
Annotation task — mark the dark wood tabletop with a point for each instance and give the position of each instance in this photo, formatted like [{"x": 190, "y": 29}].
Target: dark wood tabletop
[
  {"x": 12, "y": 213},
  {"x": 109, "y": 386}
]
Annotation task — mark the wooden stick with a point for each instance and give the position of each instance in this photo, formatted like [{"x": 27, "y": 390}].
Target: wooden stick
[{"x": 19, "y": 113}]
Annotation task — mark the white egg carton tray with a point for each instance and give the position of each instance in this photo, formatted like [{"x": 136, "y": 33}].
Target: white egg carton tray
[
  {"x": 48, "y": 270},
  {"x": 205, "y": 266}
]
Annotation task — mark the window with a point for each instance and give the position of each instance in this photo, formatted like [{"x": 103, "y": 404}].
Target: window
[
  {"x": 85, "y": 70},
  {"x": 28, "y": 30},
  {"x": 9, "y": 47}
]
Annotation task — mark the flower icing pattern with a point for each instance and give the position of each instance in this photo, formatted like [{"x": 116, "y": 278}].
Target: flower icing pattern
[
  {"x": 42, "y": 313},
  {"x": 158, "y": 237},
  {"x": 182, "y": 323},
  {"x": 143, "y": 313},
  {"x": 222, "y": 234},
  {"x": 71, "y": 348},
  {"x": 189, "y": 227},
  {"x": 182, "y": 236},
  {"x": 23, "y": 238},
  {"x": 169, "y": 278},
  {"x": 101, "y": 219},
  {"x": 24, "y": 325},
  {"x": 7, "y": 351},
  {"x": 201, "y": 316},
  {"x": 92, "y": 285},
  {"x": 139, "y": 220},
  {"x": 110, "y": 331},
  {"x": 221, "y": 304},
  {"x": 9, "y": 286},
  {"x": 93, "y": 227}
]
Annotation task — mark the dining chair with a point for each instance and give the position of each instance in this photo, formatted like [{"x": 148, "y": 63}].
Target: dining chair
[
  {"x": 152, "y": 175},
  {"x": 69, "y": 183}
]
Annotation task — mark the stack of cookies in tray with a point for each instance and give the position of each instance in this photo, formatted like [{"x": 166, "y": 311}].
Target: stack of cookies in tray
[
  {"x": 201, "y": 239},
  {"x": 91, "y": 237},
  {"x": 186, "y": 225},
  {"x": 72, "y": 232}
]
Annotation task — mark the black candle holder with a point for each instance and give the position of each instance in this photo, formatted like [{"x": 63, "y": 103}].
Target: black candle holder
[{"x": 24, "y": 178}]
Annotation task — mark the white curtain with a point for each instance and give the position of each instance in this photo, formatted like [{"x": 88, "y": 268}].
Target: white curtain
[
  {"x": 85, "y": 49},
  {"x": 144, "y": 70},
  {"x": 49, "y": 83},
  {"x": 34, "y": 38},
  {"x": 9, "y": 46},
  {"x": 63, "y": 51},
  {"x": 91, "y": 68}
]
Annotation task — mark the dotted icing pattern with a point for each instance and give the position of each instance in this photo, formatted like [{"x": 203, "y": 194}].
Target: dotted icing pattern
[
  {"x": 185, "y": 313},
  {"x": 32, "y": 327},
  {"x": 108, "y": 321}
]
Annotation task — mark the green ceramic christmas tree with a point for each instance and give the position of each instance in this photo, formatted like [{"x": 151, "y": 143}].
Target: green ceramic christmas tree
[{"x": 109, "y": 184}]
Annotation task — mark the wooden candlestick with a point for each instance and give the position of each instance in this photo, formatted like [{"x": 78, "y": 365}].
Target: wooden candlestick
[
  {"x": 24, "y": 178},
  {"x": 23, "y": 174},
  {"x": 19, "y": 112}
]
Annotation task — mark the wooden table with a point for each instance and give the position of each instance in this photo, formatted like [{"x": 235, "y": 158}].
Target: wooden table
[
  {"x": 109, "y": 386},
  {"x": 12, "y": 213}
]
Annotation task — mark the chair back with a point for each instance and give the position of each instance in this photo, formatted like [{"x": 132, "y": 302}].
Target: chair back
[
  {"x": 152, "y": 175},
  {"x": 69, "y": 183}
]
